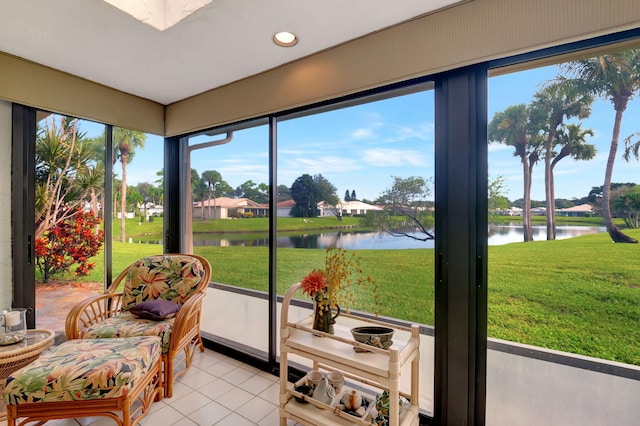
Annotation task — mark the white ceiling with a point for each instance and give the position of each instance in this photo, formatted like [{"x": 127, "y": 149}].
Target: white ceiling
[{"x": 222, "y": 42}]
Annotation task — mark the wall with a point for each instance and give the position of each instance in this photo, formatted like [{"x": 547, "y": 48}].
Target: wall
[
  {"x": 521, "y": 390},
  {"x": 6, "y": 271},
  {"x": 472, "y": 32},
  {"x": 36, "y": 85}
]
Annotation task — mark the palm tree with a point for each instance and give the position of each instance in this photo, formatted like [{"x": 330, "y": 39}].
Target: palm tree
[
  {"x": 615, "y": 77},
  {"x": 125, "y": 142},
  {"x": 632, "y": 147},
  {"x": 211, "y": 178},
  {"x": 94, "y": 174},
  {"x": 573, "y": 140},
  {"x": 555, "y": 101},
  {"x": 516, "y": 127},
  {"x": 62, "y": 161}
]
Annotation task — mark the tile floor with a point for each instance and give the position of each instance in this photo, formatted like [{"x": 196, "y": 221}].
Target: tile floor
[{"x": 217, "y": 390}]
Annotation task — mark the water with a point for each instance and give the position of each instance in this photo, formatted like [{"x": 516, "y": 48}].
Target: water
[
  {"x": 498, "y": 235},
  {"x": 505, "y": 234}
]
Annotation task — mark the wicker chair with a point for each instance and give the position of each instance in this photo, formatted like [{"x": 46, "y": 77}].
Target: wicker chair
[{"x": 181, "y": 278}]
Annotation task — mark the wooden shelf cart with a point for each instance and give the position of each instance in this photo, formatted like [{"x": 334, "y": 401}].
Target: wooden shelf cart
[{"x": 369, "y": 372}]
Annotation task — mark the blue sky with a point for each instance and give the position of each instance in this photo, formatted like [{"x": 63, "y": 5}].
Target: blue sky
[{"x": 360, "y": 148}]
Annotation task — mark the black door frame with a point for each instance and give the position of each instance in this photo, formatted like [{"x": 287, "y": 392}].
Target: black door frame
[{"x": 23, "y": 137}]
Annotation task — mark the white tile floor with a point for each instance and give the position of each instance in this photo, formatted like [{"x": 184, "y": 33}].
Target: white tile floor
[{"x": 217, "y": 390}]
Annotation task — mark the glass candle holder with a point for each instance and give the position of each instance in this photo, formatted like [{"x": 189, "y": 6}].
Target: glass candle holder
[{"x": 13, "y": 326}]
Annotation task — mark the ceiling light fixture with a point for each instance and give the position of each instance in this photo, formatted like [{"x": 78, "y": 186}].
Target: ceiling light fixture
[{"x": 285, "y": 39}]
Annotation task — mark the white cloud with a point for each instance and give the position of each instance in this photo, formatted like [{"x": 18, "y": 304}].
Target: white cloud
[
  {"x": 285, "y": 151},
  {"x": 382, "y": 157},
  {"x": 326, "y": 164},
  {"x": 362, "y": 133},
  {"x": 400, "y": 133}
]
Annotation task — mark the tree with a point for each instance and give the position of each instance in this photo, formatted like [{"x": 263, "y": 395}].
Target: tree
[
  {"x": 595, "y": 195},
  {"x": 406, "y": 209},
  {"x": 134, "y": 199},
  {"x": 326, "y": 192},
  {"x": 211, "y": 178},
  {"x": 325, "y": 189},
  {"x": 71, "y": 241},
  {"x": 353, "y": 195},
  {"x": 556, "y": 101},
  {"x": 573, "y": 142},
  {"x": 93, "y": 178},
  {"x": 283, "y": 193},
  {"x": 625, "y": 203},
  {"x": 347, "y": 196},
  {"x": 198, "y": 187},
  {"x": 516, "y": 126},
  {"x": 125, "y": 142},
  {"x": 150, "y": 193},
  {"x": 67, "y": 173},
  {"x": 305, "y": 194},
  {"x": 497, "y": 191},
  {"x": 615, "y": 77},
  {"x": 255, "y": 192}
]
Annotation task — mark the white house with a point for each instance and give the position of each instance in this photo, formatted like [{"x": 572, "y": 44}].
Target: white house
[
  {"x": 284, "y": 208},
  {"x": 347, "y": 208},
  {"x": 581, "y": 210},
  {"x": 225, "y": 207}
]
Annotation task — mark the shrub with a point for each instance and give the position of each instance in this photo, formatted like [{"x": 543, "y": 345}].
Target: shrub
[{"x": 72, "y": 241}]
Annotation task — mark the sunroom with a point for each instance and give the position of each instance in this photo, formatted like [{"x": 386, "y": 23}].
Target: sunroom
[{"x": 390, "y": 91}]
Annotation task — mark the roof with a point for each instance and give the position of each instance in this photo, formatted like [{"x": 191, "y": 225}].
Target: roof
[
  {"x": 579, "y": 208},
  {"x": 357, "y": 205},
  {"x": 286, "y": 204},
  {"x": 227, "y": 203}
]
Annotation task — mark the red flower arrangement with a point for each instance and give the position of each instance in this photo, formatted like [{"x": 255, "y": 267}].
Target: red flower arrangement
[
  {"x": 338, "y": 283},
  {"x": 314, "y": 283}
]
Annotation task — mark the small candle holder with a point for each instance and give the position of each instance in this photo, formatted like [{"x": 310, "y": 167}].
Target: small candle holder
[{"x": 13, "y": 326}]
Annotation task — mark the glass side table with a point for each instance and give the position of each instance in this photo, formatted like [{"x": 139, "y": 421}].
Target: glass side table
[{"x": 14, "y": 357}]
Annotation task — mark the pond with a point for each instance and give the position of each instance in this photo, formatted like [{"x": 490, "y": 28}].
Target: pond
[{"x": 498, "y": 235}]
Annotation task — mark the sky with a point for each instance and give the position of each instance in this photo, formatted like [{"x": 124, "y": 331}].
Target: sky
[{"x": 363, "y": 147}]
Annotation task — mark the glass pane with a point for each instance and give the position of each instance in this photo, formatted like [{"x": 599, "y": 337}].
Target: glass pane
[
  {"x": 137, "y": 191},
  {"x": 355, "y": 179},
  {"x": 69, "y": 195},
  {"x": 229, "y": 224},
  {"x": 564, "y": 308}
]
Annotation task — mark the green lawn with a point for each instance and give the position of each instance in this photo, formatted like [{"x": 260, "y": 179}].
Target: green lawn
[
  {"x": 578, "y": 295},
  {"x": 134, "y": 227}
]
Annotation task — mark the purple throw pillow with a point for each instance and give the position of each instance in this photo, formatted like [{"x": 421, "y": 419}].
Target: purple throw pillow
[{"x": 157, "y": 309}]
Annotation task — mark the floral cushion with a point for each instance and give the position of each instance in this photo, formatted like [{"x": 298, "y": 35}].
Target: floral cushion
[
  {"x": 126, "y": 324},
  {"x": 83, "y": 369},
  {"x": 170, "y": 277}
]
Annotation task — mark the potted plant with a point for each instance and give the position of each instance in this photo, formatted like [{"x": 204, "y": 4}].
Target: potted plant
[{"x": 335, "y": 286}]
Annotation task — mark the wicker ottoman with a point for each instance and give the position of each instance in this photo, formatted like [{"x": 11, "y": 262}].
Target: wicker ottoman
[{"x": 115, "y": 378}]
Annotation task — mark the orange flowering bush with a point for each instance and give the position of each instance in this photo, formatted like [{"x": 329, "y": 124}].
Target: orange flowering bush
[
  {"x": 72, "y": 241},
  {"x": 337, "y": 284}
]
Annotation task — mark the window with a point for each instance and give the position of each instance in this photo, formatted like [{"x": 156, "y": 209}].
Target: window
[
  {"x": 568, "y": 293},
  {"x": 355, "y": 177},
  {"x": 229, "y": 221}
]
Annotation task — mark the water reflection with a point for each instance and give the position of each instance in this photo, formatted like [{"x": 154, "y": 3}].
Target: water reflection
[
  {"x": 498, "y": 235},
  {"x": 512, "y": 233}
]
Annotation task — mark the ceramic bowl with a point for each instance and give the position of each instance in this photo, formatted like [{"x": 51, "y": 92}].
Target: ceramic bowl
[{"x": 373, "y": 335}]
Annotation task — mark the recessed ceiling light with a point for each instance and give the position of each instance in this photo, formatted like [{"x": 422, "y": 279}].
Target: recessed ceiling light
[{"x": 285, "y": 39}]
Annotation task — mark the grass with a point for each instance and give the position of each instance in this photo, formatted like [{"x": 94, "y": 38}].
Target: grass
[
  {"x": 254, "y": 225},
  {"x": 579, "y": 295}
]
